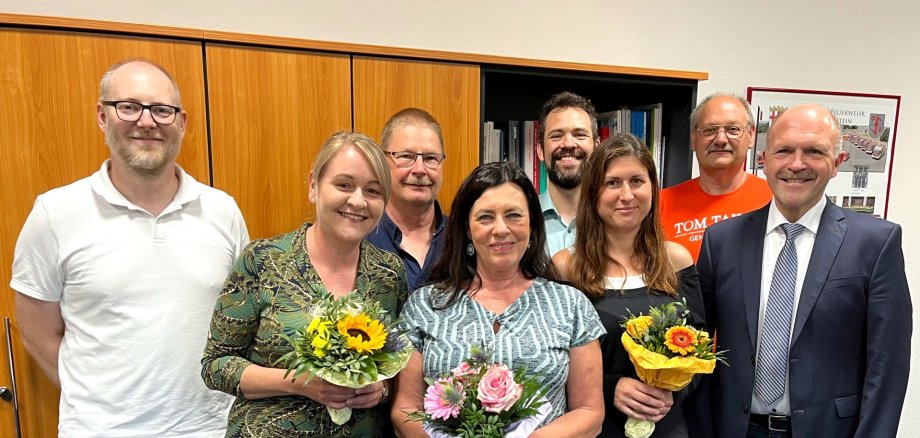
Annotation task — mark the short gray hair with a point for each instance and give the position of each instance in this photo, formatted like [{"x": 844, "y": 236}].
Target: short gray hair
[
  {"x": 410, "y": 117},
  {"x": 695, "y": 114}
]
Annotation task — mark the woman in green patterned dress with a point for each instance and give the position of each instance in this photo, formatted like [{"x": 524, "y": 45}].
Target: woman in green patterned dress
[{"x": 270, "y": 290}]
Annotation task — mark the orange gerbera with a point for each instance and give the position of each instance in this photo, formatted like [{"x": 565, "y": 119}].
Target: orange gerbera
[{"x": 680, "y": 340}]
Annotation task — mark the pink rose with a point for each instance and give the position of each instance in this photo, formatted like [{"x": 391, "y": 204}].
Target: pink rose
[
  {"x": 464, "y": 370},
  {"x": 497, "y": 390}
]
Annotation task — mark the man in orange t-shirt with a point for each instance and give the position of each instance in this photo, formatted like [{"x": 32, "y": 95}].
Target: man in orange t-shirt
[{"x": 721, "y": 133}]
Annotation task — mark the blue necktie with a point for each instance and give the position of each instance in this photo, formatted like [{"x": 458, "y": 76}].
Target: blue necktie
[{"x": 772, "y": 357}]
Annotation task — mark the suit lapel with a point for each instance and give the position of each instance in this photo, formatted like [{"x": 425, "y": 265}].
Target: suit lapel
[
  {"x": 752, "y": 236},
  {"x": 830, "y": 236}
]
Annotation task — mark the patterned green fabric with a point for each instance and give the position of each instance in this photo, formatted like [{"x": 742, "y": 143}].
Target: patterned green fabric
[{"x": 269, "y": 293}]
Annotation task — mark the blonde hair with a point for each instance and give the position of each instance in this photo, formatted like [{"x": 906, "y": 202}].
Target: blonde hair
[{"x": 365, "y": 145}]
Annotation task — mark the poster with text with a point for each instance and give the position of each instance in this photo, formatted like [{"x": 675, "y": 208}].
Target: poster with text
[{"x": 868, "y": 123}]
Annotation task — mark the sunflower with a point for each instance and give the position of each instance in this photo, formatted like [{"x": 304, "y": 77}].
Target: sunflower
[
  {"x": 680, "y": 339},
  {"x": 362, "y": 334},
  {"x": 638, "y": 326}
]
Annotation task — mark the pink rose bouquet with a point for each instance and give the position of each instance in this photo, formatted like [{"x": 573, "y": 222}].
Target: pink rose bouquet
[
  {"x": 497, "y": 389},
  {"x": 483, "y": 399}
]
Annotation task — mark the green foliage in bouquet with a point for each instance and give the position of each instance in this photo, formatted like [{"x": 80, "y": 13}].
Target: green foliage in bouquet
[
  {"x": 665, "y": 331},
  {"x": 349, "y": 341},
  {"x": 480, "y": 399}
]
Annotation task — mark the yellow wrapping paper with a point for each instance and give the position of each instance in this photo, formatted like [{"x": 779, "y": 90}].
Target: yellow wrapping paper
[{"x": 672, "y": 374}]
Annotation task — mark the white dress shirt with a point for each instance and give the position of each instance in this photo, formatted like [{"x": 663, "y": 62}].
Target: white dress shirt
[{"x": 772, "y": 245}]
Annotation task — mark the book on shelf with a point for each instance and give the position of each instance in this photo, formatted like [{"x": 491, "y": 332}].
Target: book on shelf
[
  {"x": 543, "y": 182},
  {"x": 654, "y": 133},
  {"x": 539, "y": 183},
  {"x": 637, "y": 126},
  {"x": 499, "y": 135},
  {"x": 517, "y": 143},
  {"x": 486, "y": 151},
  {"x": 528, "y": 153},
  {"x": 513, "y": 151},
  {"x": 493, "y": 150},
  {"x": 609, "y": 123},
  {"x": 642, "y": 121}
]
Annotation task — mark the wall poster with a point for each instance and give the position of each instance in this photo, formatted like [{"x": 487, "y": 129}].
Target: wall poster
[{"x": 868, "y": 121}]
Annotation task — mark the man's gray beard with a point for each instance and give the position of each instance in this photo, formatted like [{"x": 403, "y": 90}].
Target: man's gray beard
[{"x": 563, "y": 180}]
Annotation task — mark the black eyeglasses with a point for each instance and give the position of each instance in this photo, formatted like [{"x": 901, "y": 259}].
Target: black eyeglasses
[
  {"x": 431, "y": 160},
  {"x": 131, "y": 111}
]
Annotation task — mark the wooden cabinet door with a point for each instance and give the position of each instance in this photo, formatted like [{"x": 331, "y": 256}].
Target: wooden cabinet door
[
  {"x": 49, "y": 86},
  {"x": 450, "y": 92},
  {"x": 270, "y": 112}
]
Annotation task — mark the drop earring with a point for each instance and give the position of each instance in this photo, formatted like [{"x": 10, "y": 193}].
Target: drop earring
[{"x": 470, "y": 251}]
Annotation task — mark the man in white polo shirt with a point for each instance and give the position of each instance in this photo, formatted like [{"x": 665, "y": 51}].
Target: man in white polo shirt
[{"x": 117, "y": 274}]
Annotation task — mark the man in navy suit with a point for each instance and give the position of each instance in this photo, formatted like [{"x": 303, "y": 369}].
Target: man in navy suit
[{"x": 832, "y": 360}]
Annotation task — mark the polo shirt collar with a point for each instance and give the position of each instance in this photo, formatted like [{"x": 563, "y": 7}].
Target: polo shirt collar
[{"x": 103, "y": 186}]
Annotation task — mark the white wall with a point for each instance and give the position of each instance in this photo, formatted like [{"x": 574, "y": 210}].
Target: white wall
[{"x": 871, "y": 47}]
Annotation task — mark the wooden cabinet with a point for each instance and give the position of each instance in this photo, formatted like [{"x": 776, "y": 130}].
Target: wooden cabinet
[
  {"x": 450, "y": 92},
  {"x": 270, "y": 111},
  {"x": 50, "y": 86}
]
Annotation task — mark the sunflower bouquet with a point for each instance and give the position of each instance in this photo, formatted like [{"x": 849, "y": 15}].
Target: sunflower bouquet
[
  {"x": 348, "y": 342},
  {"x": 667, "y": 353},
  {"x": 481, "y": 399}
]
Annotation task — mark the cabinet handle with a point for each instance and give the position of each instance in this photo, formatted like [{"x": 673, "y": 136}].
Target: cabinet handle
[{"x": 9, "y": 394}]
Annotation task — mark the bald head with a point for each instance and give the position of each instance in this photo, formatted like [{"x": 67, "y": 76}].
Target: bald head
[
  {"x": 135, "y": 67},
  {"x": 810, "y": 117}
]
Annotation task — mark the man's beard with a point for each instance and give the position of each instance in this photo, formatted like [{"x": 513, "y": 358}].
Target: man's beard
[
  {"x": 563, "y": 179},
  {"x": 143, "y": 162}
]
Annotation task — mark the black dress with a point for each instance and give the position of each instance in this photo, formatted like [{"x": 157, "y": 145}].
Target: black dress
[{"x": 612, "y": 309}]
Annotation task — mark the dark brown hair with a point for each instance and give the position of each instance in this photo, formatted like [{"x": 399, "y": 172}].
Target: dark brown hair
[
  {"x": 590, "y": 261},
  {"x": 455, "y": 270},
  {"x": 568, "y": 99}
]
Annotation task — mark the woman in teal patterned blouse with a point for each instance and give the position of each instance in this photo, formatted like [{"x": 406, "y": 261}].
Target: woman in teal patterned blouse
[
  {"x": 269, "y": 292},
  {"x": 493, "y": 287}
]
